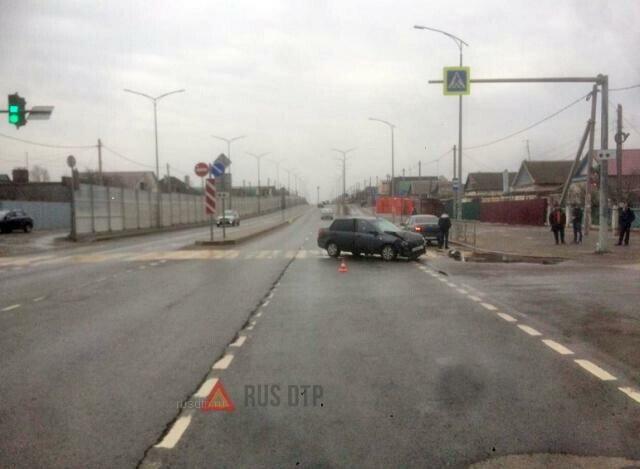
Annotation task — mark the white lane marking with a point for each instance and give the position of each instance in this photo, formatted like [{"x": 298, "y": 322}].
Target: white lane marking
[
  {"x": 442, "y": 279},
  {"x": 489, "y": 306},
  {"x": 270, "y": 295},
  {"x": 153, "y": 264},
  {"x": 475, "y": 298},
  {"x": 460, "y": 290},
  {"x": 265, "y": 304},
  {"x": 40, "y": 298},
  {"x": 163, "y": 261},
  {"x": 9, "y": 308},
  {"x": 596, "y": 370},
  {"x": 561, "y": 349},
  {"x": 529, "y": 330},
  {"x": 632, "y": 393},
  {"x": 206, "y": 388},
  {"x": 142, "y": 267},
  {"x": 174, "y": 435},
  {"x": 467, "y": 286},
  {"x": 224, "y": 362},
  {"x": 452, "y": 285},
  {"x": 250, "y": 328},
  {"x": 250, "y": 255},
  {"x": 239, "y": 341},
  {"x": 259, "y": 314},
  {"x": 507, "y": 317}
]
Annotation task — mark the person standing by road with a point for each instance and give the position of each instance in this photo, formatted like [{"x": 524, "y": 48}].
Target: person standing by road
[
  {"x": 576, "y": 221},
  {"x": 444, "y": 223},
  {"x": 625, "y": 219},
  {"x": 557, "y": 220}
]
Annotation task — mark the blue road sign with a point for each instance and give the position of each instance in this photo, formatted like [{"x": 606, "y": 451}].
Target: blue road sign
[
  {"x": 456, "y": 80},
  {"x": 455, "y": 183},
  {"x": 217, "y": 169}
]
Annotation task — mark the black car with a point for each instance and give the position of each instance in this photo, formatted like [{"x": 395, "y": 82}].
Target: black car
[
  {"x": 370, "y": 235},
  {"x": 15, "y": 220},
  {"x": 425, "y": 225}
]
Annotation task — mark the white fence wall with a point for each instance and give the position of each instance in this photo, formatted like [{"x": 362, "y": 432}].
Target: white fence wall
[{"x": 102, "y": 209}]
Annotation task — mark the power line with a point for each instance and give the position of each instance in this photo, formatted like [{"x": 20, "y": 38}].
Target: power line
[
  {"x": 625, "y": 88},
  {"x": 550, "y": 116},
  {"x": 126, "y": 158},
  {"x": 47, "y": 145}
]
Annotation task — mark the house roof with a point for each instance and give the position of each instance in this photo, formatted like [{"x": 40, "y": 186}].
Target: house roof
[
  {"x": 630, "y": 163},
  {"x": 485, "y": 182},
  {"x": 547, "y": 172}
]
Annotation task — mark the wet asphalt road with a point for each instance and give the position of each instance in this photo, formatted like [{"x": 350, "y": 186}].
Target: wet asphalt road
[{"x": 429, "y": 364}]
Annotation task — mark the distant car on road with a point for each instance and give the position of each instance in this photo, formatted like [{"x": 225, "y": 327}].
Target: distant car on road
[
  {"x": 426, "y": 225},
  {"x": 326, "y": 213},
  {"x": 15, "y": 220},
  {"x": 370, "y": 235},
  {"x": 230, "y": 217}
]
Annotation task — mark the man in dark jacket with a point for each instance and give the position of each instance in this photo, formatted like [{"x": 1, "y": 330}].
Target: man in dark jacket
[
  {"x": 625, "y": 220},
  {"x": 557, "y": 221},
  {"x": 444, "y": 223},
  {"x": 576, "y": 221}
]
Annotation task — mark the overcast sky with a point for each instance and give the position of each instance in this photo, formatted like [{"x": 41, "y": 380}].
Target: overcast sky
[{"x": 299, "y": 78}]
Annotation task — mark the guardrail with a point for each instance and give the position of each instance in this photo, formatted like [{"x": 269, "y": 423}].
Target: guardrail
[{"x": 464, "y": 232}]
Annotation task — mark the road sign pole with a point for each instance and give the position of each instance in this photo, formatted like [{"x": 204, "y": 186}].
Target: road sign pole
[
  {"x": 604, "y": 165},
  {"x": 224, "y": 221}
]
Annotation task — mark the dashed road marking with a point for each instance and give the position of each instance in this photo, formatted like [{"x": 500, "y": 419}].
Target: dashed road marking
[
  {"x": 206, "y": 388},
  {"x": 174, "y": 435},
  {"x": 153, "y": 264},
  {"x": 40, "y": 298},
  {"x": 259, "y": 314},
  {"x": 475, "y": 298},
  {"x": 239, "y": 341},
  {"x": 529, "y": 330},
  {"x": 460, "y": 290},
  {"x": 442, "y": 279},
  {"x": 561, "y": 349},
  {"x": 632, "y": 393},
  {"x": 489, "y": 306},
  {"x": 163, "y": 261},
  {"x": 250, "y": 328},
  {"x": 265, "y": 304},
  {"x": 9, "y": 308},
  {"x": 507, "y": 317},
  {"x": 596, "y": 370},
  {"x": 452, "y": 285},
  {"x": 142, "y": 267},
  {"x": 223, "y": 363}
]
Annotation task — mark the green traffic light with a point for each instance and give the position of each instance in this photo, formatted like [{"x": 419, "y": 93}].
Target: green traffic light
[
  {"x": 14, "y": 118},
  {"x": 13, "y": 109}
]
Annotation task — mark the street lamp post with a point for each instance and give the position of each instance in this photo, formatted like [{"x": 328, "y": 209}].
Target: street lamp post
[
  {"x": 344, "y": 172},
  {"x": 155, "y": 126},
  {"x": 393, "y": 185},
  {"x": 229, "y": 141},
  {"x": 277, "y": 163},
  {"x": 459, "y": 42},
  {"x": 258, "y": 158}
]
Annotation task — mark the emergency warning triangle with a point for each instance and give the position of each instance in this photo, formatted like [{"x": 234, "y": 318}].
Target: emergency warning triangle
[{"x": 218, "y": 400}]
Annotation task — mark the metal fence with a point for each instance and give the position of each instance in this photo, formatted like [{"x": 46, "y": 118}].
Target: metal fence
[
  {"x": 46, "y": 215},
  {"x": 463, "y": 232},
  {"x": 100, "y": 209}
]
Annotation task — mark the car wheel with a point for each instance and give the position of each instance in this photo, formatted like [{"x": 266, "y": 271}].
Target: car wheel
[
  {"x": 333, "y": 250},
  {"x": 388, "y": 253},
  {"x": 28, "y": 228}
]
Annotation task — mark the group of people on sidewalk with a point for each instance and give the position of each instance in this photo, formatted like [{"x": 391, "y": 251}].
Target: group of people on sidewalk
[{"x": 558, "y": 220}]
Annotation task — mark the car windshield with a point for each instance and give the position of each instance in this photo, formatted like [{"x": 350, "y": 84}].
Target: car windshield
[
  {"x": 385, "y": 226},
  {"x": 3, "y": 213}
]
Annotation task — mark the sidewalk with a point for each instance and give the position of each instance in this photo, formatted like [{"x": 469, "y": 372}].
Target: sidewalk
[{"x": 538, "y": 241}]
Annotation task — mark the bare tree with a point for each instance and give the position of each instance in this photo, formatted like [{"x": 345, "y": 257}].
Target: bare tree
[{"x": 39, "y": 174}]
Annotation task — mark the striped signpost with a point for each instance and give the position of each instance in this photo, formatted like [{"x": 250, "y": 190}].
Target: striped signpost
[{"x": 210, "y": 201}]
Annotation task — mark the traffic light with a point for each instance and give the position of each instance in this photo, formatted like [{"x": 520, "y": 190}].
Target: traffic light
[{"x": 17, "y": 110}]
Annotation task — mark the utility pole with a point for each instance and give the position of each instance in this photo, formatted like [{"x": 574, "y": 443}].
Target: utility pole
[
  {"x": 100, "y": 161},
  {"x": 528, "y": 150},
  {"x": 604, "y": 170},
  {"x": 455, "y": 192},
  {"x": 419, "y": 168},
  {"x": 587, "y": 195},
  {"x": 620, "y": 138},
  {"x": 344, "y": 173},
  {"x": 318, "y": 192}
]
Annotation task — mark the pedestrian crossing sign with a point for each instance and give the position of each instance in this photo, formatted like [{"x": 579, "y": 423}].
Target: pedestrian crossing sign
[{"x": 456, "y": 81}]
